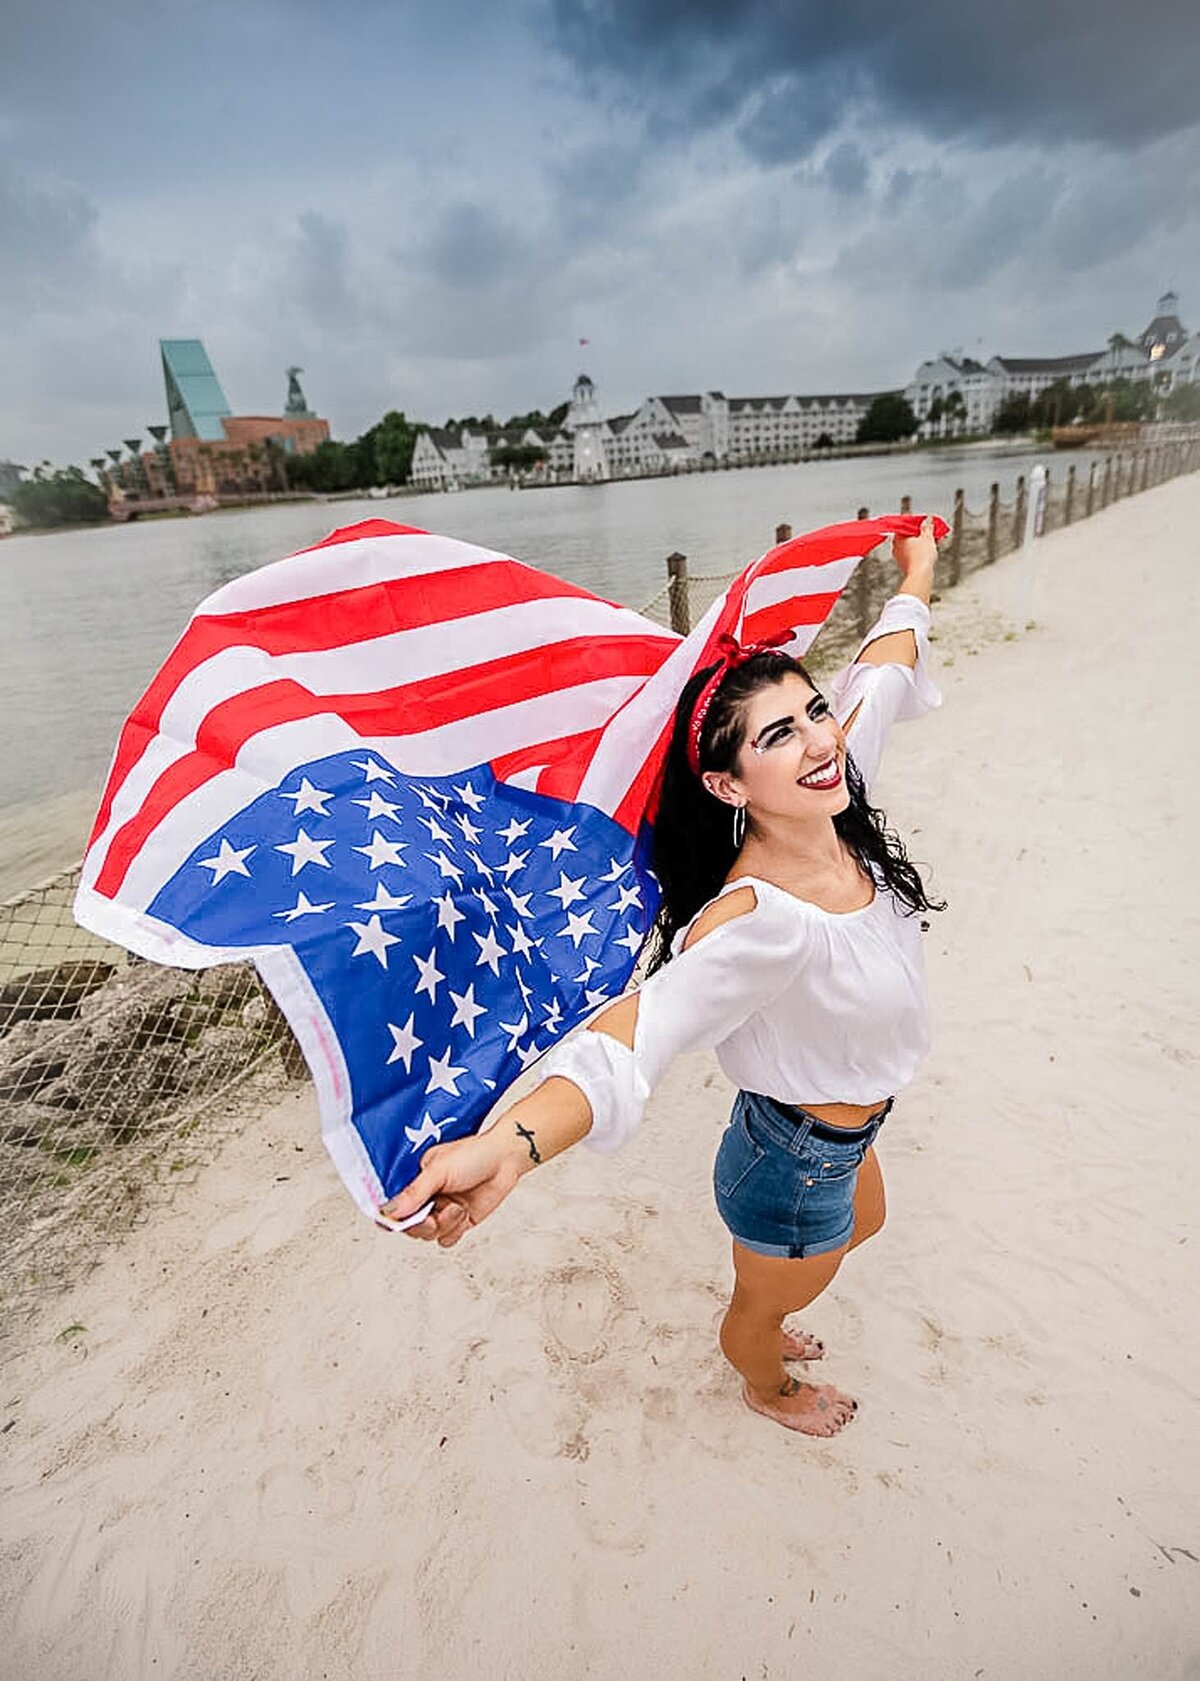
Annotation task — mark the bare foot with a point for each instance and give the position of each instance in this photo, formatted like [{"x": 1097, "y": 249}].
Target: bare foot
[
  {"x": 817, "y": 1409},
  {"x": 800, "y": 1345}
]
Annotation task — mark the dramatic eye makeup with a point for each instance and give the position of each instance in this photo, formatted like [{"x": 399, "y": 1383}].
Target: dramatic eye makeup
[{"x": 782, "y": 730}]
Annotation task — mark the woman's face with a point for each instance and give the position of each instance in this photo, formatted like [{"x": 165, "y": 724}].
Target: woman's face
[{"x": 793, "y": 759}]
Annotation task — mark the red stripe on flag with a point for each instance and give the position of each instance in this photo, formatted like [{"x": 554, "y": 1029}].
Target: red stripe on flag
[
  {"x": 364, "y": 528},
  {"x": 411, "y": 709},
  {"x": 784, "y": 615}
]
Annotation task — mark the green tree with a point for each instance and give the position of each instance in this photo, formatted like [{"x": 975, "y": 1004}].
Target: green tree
[
  {"x": 824, "y": 441},
  {"x": 59, "y": 496},
  {"x": 1183, "y": 403},
  {"x": 1013, "y": 414},
  {"x": 937, "y": 410},
  {"x": 955, "y": 410},
  {"x": 392, "y": 446},
  {"x": 889, "y": 418}
]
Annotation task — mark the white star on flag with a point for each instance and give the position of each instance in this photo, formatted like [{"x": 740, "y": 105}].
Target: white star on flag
[
  {"x": 520, "y": 903},
  {"x": 305, "y": 850},
  {"x": 450, "y": 871},
  {"x": 632, "y": 940},
  {"x": 372, "y": 771},
  {"x": 595, "y": 995},
  {"x": 442, "y": 1077},
  {"x": 383, "y": 851},
  {"x": 436, "y": 831},
  {"x": 515, "y": 1030},
  {"x": 376, "y": 806},
  {"x": 404, "y": 1043},
  {"x": 567, "y": 890},
  {"x": 514, "y": 862},
  {"x": 383, "y": 900},
  {"x": 303, "y": 908},
  {"x": 527, "y": 1054},
  {"x": 484, "y": 869},
  {"x": 468, "y": 796},
  {"x": 430, "y": 975},
  {"x": 560, "y": 841},
  {"x": 466, "y": 1010},
  {"x": 490, "y": 951},
  {"x": 470, "y": 832},
  {"x": 590, "y": 965},
  {"x": 449, "y": 915},
  {"x": 515, "y": 830},
  {"x": 626, "y": 896},
  {"x": 577, "y": 928},
  {"x": 489, "y": 905},
  {"x": 373, "y": 937},
  {"x": 521, "y": 943},
  {"x": 307, "y": 798},
  {"x": 228, "y": 862},
  {"x": 427, "y": 1131},
  {"x": 553, "y": 1015},
  {"x": 616, "y": 870}
]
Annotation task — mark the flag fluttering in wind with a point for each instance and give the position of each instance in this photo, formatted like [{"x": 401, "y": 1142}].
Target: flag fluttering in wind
[{"x": 412, "y": 779}]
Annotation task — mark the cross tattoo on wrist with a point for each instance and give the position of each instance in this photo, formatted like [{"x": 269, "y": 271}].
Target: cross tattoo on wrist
[{"x": 529, "y": 1139}]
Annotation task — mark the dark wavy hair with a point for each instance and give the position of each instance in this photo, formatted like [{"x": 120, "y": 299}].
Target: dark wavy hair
[{"x": 693, "y": 850}]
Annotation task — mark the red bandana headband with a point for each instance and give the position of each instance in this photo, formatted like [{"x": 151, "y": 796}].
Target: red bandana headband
[{"x": 730, "y": 655}]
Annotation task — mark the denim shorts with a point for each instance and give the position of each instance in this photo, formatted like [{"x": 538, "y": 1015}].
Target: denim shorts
[{"x": 785, "y": 1181}]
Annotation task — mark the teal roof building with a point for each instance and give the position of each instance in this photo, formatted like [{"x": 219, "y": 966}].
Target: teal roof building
[{"x": 195, "y": 402}]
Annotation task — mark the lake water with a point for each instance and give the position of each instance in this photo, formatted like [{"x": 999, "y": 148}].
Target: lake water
[{"x": 89, "y": 616}]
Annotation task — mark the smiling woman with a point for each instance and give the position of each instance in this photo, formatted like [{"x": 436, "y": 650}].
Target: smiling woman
[{"x": 789, "y": 938}]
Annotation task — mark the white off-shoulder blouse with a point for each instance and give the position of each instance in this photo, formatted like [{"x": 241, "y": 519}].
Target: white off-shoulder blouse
[{"x": 801, "y": 1004}]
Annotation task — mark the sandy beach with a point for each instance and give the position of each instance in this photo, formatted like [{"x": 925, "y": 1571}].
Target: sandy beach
[{"x": 265, "y": 1440}]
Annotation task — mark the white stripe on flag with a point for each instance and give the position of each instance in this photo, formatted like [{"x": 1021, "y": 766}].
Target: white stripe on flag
[
  {"x": 344, "y": 566},
  {"x": 800, "y": 581},
  {"x": 629, "y": 739}
]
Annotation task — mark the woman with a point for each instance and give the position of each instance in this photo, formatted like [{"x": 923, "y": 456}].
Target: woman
[{"x": 789, "y": 938}]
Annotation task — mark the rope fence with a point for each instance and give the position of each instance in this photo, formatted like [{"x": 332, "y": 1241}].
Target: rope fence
[{"x": 118, "y": 1077}]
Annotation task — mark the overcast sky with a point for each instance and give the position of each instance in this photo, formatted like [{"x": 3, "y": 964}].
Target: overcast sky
[{"x": 428, "y": 205}]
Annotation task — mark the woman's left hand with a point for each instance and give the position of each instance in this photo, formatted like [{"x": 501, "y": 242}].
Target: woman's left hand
[{"x": 916, "y": 555}]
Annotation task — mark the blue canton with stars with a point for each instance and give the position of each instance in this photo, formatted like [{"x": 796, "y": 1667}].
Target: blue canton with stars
[{"x": 454, "y": 928}]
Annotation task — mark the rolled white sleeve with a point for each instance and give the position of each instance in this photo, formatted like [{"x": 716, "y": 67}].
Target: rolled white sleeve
[
  {"x": 882, "y": 695},
  {"x": 695, "y": 1001}
]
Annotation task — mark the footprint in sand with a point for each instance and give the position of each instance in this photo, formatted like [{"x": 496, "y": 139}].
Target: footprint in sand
[
  {"x": 579, "y": 1306},
  {"x": 544, "y": 1420}
]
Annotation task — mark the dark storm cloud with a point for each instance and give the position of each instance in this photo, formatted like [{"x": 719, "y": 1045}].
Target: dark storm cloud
[{"x": 791, "y": 70}]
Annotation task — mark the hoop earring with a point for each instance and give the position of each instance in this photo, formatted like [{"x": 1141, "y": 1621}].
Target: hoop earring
[{"x": 739, "y": 826}]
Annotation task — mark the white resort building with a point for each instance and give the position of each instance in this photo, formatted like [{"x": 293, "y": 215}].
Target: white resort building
[
  {"x": 667, "y": 434},
  {"x": 953, "y": 394}
]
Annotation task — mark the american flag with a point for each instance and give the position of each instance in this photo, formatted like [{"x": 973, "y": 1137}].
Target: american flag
[{"x": 413, "y": 779}]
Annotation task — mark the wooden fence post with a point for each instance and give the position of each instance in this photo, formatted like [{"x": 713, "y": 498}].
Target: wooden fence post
[
  {"x": 862, "y": 587},
  {"x": 1106, "y": 494},
  {"x": 783, "y": 533},
  {"x": 1146, "y": 455},
  {"x": 677, "y": 572},
  {"x": 1090, "y": 504},
  {"x": 1018, "y": 527},
  {"x": 956, "y": 537},
  {"x": 1069, "y": 503},
  {"x": 993, "y": 525},
  {"x": 906, "y": 504}
]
